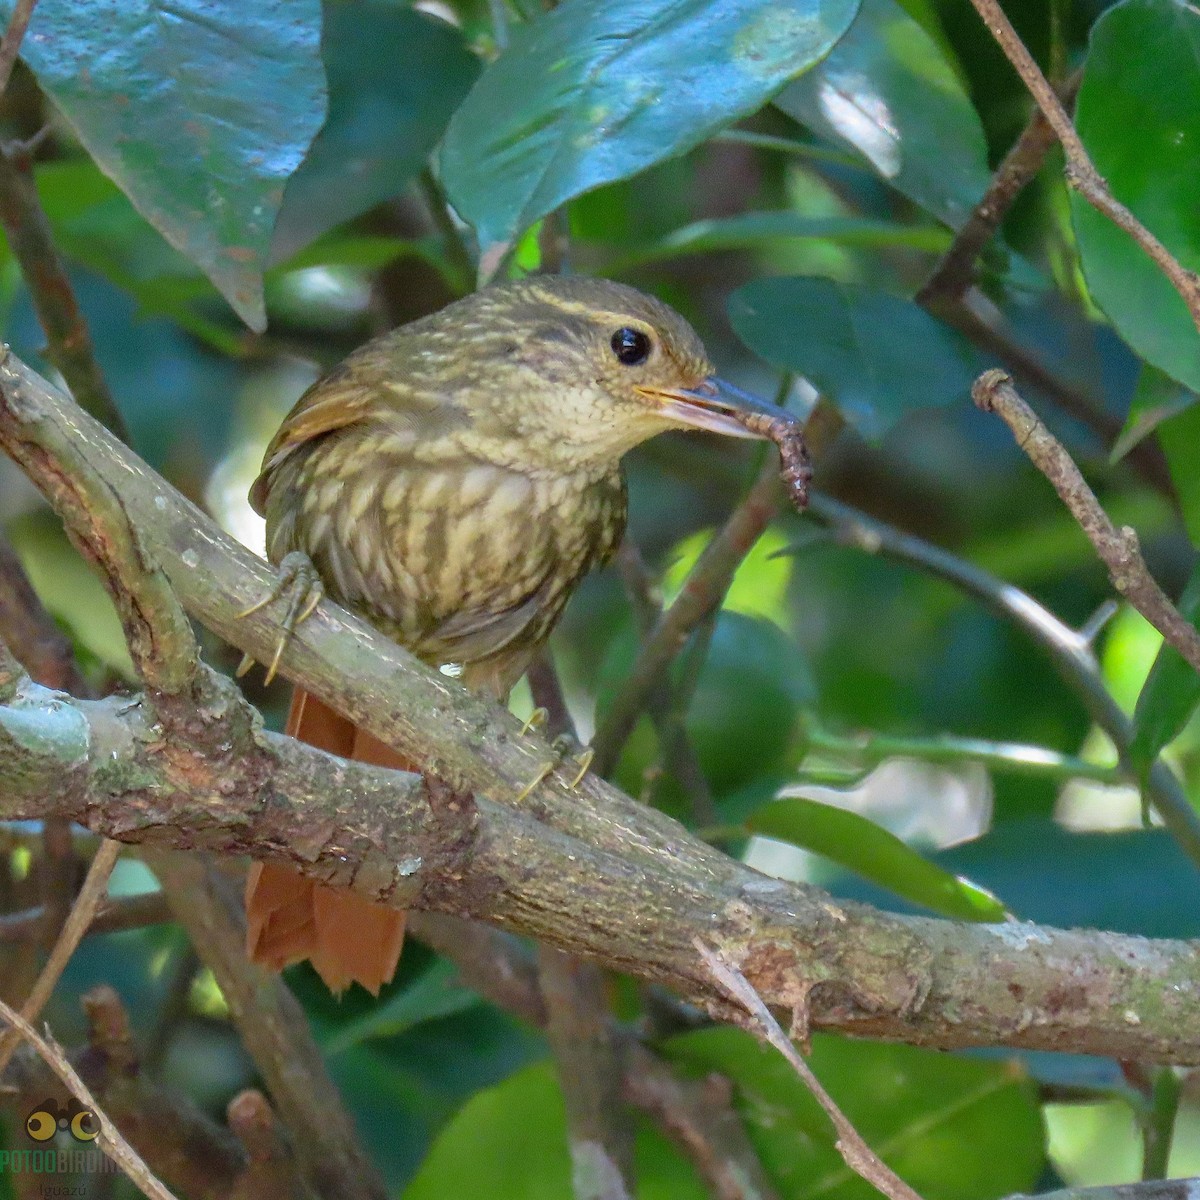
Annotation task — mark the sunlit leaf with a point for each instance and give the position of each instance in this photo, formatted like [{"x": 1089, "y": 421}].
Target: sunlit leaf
[
  {"x": 874, "y": 355},
  {"x": 887, "y": 90},
  {"x": 199, "y": 112},
  {"x": 874, "y": 853},
  {"x": 953, "y": 1128},
  {"x": 1138, "y": 113},
  {"x": 589, "y": 93}
]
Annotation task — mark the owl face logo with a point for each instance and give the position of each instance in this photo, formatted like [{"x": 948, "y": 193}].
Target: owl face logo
[{"x": 49, "y": 1117}]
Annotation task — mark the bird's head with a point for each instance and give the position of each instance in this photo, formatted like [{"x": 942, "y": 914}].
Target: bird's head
[{"x": 577, "y": 371}]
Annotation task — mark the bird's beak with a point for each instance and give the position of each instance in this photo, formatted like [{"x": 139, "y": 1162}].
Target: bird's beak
[{"x": 717, "y": 406}]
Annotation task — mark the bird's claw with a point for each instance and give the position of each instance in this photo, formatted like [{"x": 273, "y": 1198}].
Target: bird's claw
[
  {"x": 297, "y": 579},
  {"x": 566, "y": 749},
  {"x": 535, "y": 720}
]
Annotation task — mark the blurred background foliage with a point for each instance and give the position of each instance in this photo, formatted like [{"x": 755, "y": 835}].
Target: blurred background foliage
[{"x": 788, "y": 184}]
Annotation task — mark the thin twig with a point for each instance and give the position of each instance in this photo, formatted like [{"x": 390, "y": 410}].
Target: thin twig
[
  {"x": 701, "y": 594},
  {"x": 855, "y": 1152},
  {"x": 109, "y": 1138},
  {"x": 14, "y": 35},
  {"x": 956, "y": 268},
  {"x": 1118, "y": 548},
  {"x": 273, "y": 1029},
  {"x": 1081, "y": 172},
  {"x": 584, "y": 1043},
  {"x": 868, "y": 750},
  {"x": 1071, "y": 652},
  {"x": 69, "y": 346},
  {"x": 580, "y": 1031},
  {"x": 115, "y": 915},
  {"x": 1146, "y": 457},
  {"x": 666, "y": 707},
  {"x": 698, "y": 1115},
  {"x": 75, "y": 926}
]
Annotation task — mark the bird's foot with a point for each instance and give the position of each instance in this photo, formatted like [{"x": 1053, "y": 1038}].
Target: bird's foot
[
  {"x": 535, "y": 720},
  {"x": 298, "y": 581},
  {"x": 566, "y": 751}
]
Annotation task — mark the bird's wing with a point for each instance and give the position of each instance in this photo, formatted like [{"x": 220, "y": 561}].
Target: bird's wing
[
  {"x": 333, "y": 402},
  {"x": 474, "y": 634},
  {"x": 368, "y": 387}
]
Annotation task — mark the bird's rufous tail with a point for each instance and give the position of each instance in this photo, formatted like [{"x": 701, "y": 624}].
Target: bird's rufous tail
[{"x": 289, "y": 917}]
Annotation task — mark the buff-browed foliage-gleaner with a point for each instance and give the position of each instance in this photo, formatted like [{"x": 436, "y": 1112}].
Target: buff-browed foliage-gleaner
[{"x": 452, "y": 482}]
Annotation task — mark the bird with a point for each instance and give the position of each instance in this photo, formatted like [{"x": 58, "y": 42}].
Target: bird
[{"x": 451, "y": 482}]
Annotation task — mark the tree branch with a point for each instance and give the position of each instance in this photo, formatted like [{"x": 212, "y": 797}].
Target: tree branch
[
  {"x": 955, "y": 270},
  {"x": 69, "y": 346},
  {"x": 1081, "y": 172},
  {"x": 1118, "y": 549},
  {"x": 14, "y": 35},
  {"x": 587, "y": 870}
]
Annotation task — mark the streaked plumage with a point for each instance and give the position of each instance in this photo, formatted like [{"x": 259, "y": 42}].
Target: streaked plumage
[{"x": 452, "y": 482}]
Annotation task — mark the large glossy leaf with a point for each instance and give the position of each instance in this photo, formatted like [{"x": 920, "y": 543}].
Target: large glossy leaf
[
  {"x": 874, "y": 853},
  {"x": 199, "y": 111},
  {"x": 511, "y": 1141},
  {"x": 742, "y": 716},
  {"x": 951, "y": 1127},
  {"x": 1139, "y": 116},
  {"x": 1171, "y": 692},
  {"x": 874, "y": 355},
  {"x": 395, "y": 76},
  {"x": 887, "y": 90},
  {"x": 592, "y": 92}
]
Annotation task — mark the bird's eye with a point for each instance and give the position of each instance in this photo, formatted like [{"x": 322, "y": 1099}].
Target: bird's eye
[{"x": 631, "y": 346}]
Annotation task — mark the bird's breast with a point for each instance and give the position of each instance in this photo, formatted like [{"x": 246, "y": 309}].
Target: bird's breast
[{"x": 459, "y": 561}]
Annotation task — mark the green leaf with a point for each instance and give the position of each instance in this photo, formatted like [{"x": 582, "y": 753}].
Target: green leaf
[
  {"x": 875, "y": 854},
  {"x": 1156, "y": 399},
  {"x": 887, "y": 91},
  {"x": 435, "y": 993},
  {"x": 199, "y": 112},
  {"x": 1170, "y": 694},
  {"x": 759, "y": 230},
  {"x": 874, "y": 355},
  {"x": 1129, "y": 881},
  {"x": 1139, "y": 116},
  {"x": 953, "y": 1128},
  {"x": 395, "y": 76},
  {"x": 742, "y": 718},
  {"x": 511, "y": 1141},
  {"x": 589, "y": 93},
  {"x": 1180, "y": 438}
]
